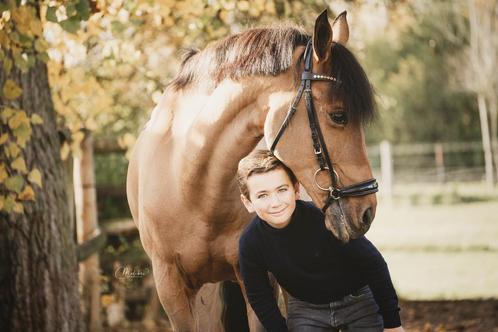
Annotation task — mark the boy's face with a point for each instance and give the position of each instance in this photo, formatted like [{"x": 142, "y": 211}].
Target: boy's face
[{"x": 272, "y": 196}]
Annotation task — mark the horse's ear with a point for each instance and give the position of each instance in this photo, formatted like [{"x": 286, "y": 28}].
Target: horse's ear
[
  {"x": 340, "y": 29},
  {"x": 322, "y": 37}
]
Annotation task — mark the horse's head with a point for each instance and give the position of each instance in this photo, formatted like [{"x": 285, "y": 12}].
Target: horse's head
[{"x": 342, "y": 100}]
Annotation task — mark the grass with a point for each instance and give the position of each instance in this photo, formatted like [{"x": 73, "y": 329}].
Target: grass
[{"x": 444, "y": 251}]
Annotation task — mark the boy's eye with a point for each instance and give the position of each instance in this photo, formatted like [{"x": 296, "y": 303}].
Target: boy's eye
[
  {"x": 282, "y": 190},
  {"x": 262, "y": 196}
]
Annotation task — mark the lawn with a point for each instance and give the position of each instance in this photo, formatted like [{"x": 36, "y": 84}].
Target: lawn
[{"x": 439, "y": 251}]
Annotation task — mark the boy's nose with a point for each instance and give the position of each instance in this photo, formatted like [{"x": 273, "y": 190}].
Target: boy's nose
[{"x": 275, "y": 200}]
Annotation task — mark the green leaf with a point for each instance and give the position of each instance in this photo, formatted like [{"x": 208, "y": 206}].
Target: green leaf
[
  {"x": 71, "y": 10},
  {"x": 9, "y": 203},
  {"x": 51, "y": 17},
  {"x": 3, "y": 7},
  {"x": 83, "y": 9},
  {"x": 25, "y": 40},
  {"x": 43, "y": 57},
  {"x": 117, "y": 27},
  {"x": 21, "y": 62},
  {"x": 7, "y": 65},
  {"x": 70, "y": 25},
  {"x": 31, "y": 60},
  {"x": 14, "y": 36},
  {"x": 41, "y": 45},
  {"x": 15, "y": 183},
  {"x": 23, "y": 134}
]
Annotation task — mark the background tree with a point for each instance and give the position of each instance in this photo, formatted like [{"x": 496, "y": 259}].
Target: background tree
[{"x": 38, "y": 266}]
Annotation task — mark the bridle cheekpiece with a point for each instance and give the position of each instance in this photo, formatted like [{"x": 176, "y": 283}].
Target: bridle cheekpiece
[{"x": 320, "y": 148}]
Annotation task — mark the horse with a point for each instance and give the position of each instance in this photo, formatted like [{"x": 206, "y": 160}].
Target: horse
[{"x": 181, "y": 181}]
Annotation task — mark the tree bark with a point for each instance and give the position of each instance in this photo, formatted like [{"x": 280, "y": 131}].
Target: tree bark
[{"x": 38, "y": 266}]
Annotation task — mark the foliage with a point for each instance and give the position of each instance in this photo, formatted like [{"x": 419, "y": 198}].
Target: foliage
[
  {"x": 414, "y": 79},
  {"x": 21, "y": 47},
  {"x": 107, "y": 76}
]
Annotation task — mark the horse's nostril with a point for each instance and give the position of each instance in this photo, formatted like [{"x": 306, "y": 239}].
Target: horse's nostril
[{"x": 367, "y": 216}]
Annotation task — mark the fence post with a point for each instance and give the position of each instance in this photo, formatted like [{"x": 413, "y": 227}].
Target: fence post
[
  {"x": 86, "y": 216},
  {"x": 439, "y": 156},
  {"x": 386, "y": 167}
]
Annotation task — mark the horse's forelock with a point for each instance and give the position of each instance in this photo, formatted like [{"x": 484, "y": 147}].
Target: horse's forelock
[{"x": 355, "y": 89}]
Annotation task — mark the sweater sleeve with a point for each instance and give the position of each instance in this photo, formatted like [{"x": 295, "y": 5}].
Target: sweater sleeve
[
  {"x": 258, "y": 289},
  {"x": 373, "y": 266}
]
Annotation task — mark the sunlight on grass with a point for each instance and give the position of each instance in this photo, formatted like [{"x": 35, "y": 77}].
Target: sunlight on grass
[{"x": 440, "y": 251}]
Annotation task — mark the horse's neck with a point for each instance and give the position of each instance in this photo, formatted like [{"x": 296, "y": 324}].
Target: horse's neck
[{"x": 214, "y": 139}]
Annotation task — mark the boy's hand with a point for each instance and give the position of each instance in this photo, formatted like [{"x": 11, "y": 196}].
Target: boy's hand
[{"x": 396, "y": 329}]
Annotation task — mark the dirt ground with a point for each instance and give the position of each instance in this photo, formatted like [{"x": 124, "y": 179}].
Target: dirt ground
[
  {"x": 446, "y": 316},
  {"x": 417, "y": 316}
]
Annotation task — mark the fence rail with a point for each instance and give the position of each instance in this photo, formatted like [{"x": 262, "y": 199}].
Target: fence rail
[{"x": 391, "y": 164}]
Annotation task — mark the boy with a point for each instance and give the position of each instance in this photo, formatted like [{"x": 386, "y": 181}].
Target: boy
[{"x": 331, "y": 286}]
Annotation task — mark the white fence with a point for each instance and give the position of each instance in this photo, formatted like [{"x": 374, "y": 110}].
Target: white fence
[{"x": 427, "y": 162}]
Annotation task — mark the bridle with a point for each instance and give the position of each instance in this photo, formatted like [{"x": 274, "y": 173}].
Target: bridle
[{"x": 319, "y": 146}]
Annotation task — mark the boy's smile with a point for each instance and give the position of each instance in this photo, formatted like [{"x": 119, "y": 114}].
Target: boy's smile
[{"x": 272, "y": 196}]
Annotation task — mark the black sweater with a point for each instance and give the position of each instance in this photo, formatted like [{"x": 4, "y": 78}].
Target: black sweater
[{"x": 311, "y": 265}]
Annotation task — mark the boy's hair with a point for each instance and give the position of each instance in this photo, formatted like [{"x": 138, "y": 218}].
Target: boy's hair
[{"x": 259, "y": 162}]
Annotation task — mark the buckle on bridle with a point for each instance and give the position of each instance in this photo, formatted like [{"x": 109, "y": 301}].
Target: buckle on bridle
[
  {"x": 335, "y": 193},
  {"x": 319, "y": 151}
]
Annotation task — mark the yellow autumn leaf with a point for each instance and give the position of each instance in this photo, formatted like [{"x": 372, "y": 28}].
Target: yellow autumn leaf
[
  {"x": 22, "y": 15},
  {"x": 6, "y": 114},
  {"x": 18, "y": 208},
  {"x": 35, "y": 177},
  {"x": 36, "y": 26},
  {"x": 20, "y": 165},
  {"x": 3, "y": 173},
  {"x": 36, "y": 119},
  {"x": 11, "y": 90},
  {"x": 243, "y": 6},
  {"x": 19, "y": 118},
  {"x": 106, "y": 299},
  {"x": 65, "y": 150},
  {"x": 4, "y": 138},
  {"x": 27, "y": 194},
  {"x": 13, "y": 150},
  {"x": 2, "y": 202}
]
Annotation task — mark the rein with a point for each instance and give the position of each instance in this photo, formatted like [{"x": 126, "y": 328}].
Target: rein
[{"x": 319, "y": 147}]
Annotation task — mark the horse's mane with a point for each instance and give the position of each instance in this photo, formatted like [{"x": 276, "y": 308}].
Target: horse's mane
[
  {"x": 269, "y": 51},
  {"x": 257, "y": 51}
]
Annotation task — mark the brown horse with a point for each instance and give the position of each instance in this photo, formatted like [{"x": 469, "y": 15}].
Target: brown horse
[{"x": 181, "y": 182}]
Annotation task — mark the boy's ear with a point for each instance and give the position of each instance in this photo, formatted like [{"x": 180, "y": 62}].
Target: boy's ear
[
  {"x": 247, "y": 203},
  {"x": 297, "y": 188}
]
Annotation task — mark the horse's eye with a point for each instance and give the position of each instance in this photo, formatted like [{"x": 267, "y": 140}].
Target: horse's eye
[{"x": 339, "y": 118}]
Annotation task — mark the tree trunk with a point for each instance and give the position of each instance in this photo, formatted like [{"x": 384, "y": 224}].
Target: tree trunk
[
  {"x": 38, "y": 266},
  {"x": 493, "y": 115},
  {"x": 486, "y": 142}
]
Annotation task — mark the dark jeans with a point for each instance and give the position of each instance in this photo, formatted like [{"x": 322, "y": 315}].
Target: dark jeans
[{"x": 357, "y": 312}]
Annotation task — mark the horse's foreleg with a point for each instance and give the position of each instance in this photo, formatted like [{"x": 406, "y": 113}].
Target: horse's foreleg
[
  {"x": 176, "y": 297},
  {"x": 208, "y": 309}
]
